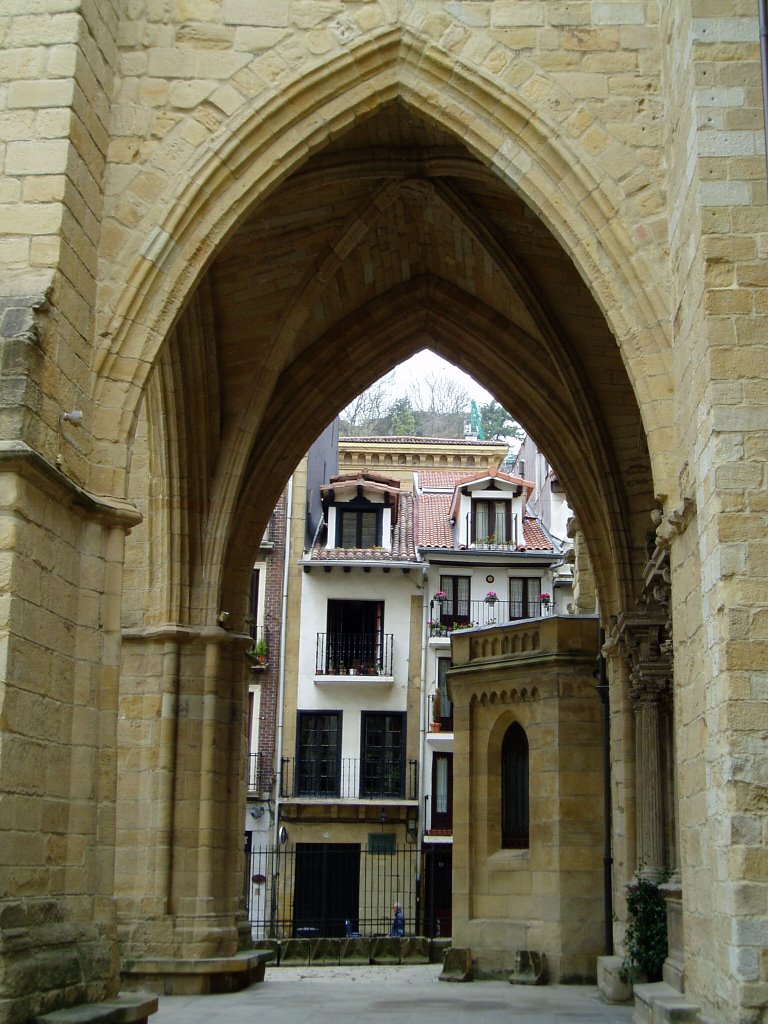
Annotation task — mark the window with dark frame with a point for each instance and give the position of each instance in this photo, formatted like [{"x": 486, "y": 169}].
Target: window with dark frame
[
  {"x": 318, "y": 752},
  {"x": 524, "y": 594},
  {"x": 446, "y": 705},
  {"x": 455, "y": 607},
  {"x": 358, "y": 524},
  {"x": 492, "y": 521},
  {"x": 514, "y": 789},
  {"x": 382, "y": 758}
]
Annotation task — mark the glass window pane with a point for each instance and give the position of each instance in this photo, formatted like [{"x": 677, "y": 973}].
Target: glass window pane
[
  {"x": 441, "y": 785},
  {"x": 348, "y": 529},
  {"x": 367, "y": 529}
]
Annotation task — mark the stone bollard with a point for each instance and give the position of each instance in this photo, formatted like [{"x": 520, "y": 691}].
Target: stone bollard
[
  {"x": 530, "y": 968},
  {"x": 457, "y": 964}
]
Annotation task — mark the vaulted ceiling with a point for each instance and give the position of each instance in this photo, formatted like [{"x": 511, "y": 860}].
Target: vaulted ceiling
[{"x": 394, "y": 238}]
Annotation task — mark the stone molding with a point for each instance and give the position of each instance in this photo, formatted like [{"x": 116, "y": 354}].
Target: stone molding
[
  {"x": 19, "y": 457},
  {"x": 191, "y": 634}
]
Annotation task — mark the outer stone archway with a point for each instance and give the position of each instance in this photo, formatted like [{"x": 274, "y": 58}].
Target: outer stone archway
[
  {"x": 390, "y": 237},
  {"x": 607, "y": 160}
]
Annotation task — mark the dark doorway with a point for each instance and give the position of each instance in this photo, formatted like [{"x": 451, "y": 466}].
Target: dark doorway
[
  {"x": 326, "y": 889},
  {"x": 442, "y": 792},
  {"x": 438, "y": 864},
  {"x": 355, "y": 635}
]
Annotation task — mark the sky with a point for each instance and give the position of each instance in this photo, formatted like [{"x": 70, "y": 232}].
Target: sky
[{"x": 425, "y": 363}]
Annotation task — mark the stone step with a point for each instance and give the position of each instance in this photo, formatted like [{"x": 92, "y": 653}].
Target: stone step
[
  {"x": 659, "y": 1003},
  {"x": 125, "y": 1008}
]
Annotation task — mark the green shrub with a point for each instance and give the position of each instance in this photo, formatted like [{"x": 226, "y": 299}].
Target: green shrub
[{"x": 647, "y": 930}]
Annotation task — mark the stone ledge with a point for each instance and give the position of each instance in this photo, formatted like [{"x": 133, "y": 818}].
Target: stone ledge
[
  {"x": 659, "y": 1003},
  {"x": 126, "y": 1008},
  {"x": 204, "y": 976}
]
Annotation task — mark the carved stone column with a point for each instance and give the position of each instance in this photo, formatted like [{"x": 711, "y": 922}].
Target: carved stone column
[
  {"x": 641, "y": 640},
  {"x": 648, "y": 688}
]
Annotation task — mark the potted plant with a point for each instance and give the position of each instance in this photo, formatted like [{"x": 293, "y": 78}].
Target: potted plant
[
  {"x": 491, "y": 597},
  {"x": 545, "y": 599},
  {"x": 259, "y": 652},
  {"x": 440, "y": 596},
  {"x": 434, "y": 725}
]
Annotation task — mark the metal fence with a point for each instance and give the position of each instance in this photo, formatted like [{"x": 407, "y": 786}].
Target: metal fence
[{"x": 326, "y": 890}]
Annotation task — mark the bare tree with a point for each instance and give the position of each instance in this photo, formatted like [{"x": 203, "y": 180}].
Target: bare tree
[
  {"x": 371, "y": 404},
  {"x": 436, "y": 393}
]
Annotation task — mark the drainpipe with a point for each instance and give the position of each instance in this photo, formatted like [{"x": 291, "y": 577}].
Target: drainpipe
[
  {"x": 763, "y": 15},
  {"x": 281, "y": 670},
  {"x": 420, "y": 821},
  {"x": 602, "y": 692}
]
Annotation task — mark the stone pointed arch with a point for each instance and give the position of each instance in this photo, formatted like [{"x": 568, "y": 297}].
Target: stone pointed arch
[
  {"x": 425, "y": 311},
  {"x": 595, "y": 222}
]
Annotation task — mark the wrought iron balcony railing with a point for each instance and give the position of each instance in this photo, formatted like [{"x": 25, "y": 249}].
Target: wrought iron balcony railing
[
  {"x": 361, "y": 654},
  {"x": 451, "y": 615},
  {"x": 325, "y": 776},
  {"x": 260, "y": 773}
]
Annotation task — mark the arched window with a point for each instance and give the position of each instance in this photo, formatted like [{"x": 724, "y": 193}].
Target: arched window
[{"x": 514, "y": 789}]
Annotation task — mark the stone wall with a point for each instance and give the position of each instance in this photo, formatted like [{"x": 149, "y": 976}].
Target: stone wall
[{"x": 142, "y": 145}]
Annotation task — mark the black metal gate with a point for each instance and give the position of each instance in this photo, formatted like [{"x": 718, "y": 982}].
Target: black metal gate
[
  {"x": 326, "y": 889},
  {"x": 314, "y": 889}
]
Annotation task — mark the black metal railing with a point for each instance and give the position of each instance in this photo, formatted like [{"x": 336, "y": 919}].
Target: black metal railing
[
  {"x": 353, "y": 778},
  {"x": 260, "y": 773},
  {"x": 263, "y": 647},
  {"x": 359, "y": 654},
  {"x": 331, "y": 890},
  {"x": 468, "y": 614}
]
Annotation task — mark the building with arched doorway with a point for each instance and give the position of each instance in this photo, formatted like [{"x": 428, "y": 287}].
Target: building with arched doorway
[{"x": 220, "y": 222}]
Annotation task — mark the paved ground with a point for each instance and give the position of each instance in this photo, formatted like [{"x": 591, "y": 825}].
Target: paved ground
[{"x": 402, "y": 995}]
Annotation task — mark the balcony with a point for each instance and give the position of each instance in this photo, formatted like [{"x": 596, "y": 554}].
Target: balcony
[
  {"x": 348, "y": 778},
  {"x": 354, "y": 654},
  {"x": 260, "y": 774},
  {"x": 472, "y": 614}
]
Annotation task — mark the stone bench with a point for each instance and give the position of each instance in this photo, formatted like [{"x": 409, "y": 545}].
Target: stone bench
[
  {"x": 204, "y": 976},
  {"x": 125, "y": 1008}
]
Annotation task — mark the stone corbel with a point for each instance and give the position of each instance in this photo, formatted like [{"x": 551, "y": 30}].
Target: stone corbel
[
  {"x": 674, "y": 523},
  {"x": 642, "y": 639}
]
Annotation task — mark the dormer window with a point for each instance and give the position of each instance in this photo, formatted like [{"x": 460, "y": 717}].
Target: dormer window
[
  {"x": 492, "y": 522},
  {"x": 358, "y": 525}
]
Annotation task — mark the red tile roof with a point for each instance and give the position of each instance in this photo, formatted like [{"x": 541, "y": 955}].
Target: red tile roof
[
  {"x": 433, "y": 525},
  {"x": 429, "y": 479},
  {"x": 534, "y": 537}
]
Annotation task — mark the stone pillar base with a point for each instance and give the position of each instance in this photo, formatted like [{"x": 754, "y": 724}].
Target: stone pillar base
[
  {"x": 611, "y": 980},
  {"x": 673, "y": 970}
]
